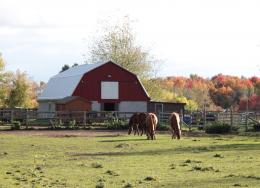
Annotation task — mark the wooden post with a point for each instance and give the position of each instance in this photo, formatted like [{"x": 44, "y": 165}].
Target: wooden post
[
  {"x": 12, "y": 116},
  {"x": 26, "y": 118},
  {"x": 84, "y": 119},
  {"x": 231, "y": 117}
]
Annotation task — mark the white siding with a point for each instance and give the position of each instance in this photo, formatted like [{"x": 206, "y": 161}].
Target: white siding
[
  {"x": 46, "y": 106},
  {"x": 95, "y": 106}
]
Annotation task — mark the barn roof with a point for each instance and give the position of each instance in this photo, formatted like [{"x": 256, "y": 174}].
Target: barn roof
[{"x": 63, "y": 84}]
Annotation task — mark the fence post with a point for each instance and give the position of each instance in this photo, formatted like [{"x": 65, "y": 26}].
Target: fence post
[
  {"x": 26, "y": 118},
  {"x": 12, "y": 116},
  {"x": 246, "y": 121},
  {"x": 84, "y": 119}
]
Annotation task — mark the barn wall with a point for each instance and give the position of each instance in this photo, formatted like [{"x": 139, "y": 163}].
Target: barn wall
[
  {"x": 95, "y": 106},
  {"x": 133, "y": 106},
  {"x": 167, "y": 107},
  {"x": 78, "y": 105},
  {"x": 130, "y": 88},
  {"x": 46, "y": 106}
]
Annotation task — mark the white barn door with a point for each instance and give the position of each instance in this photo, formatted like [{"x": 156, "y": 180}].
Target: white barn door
[{"x": 109, "y": 90}]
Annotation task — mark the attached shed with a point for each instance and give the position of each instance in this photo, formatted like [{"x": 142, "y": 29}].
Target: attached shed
[
  {"x": 167, "y": 107},
  {"x": 108, "y": 86},
  {"x": 73, "y": 103}
]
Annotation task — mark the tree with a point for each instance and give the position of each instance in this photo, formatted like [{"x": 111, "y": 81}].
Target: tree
[
  {"x": 64, "y": 68},
  {"x": 119, "y": 45},
  {"x": 226, "y": 91},
  {"x": 23, "y": 92},
  {"x": 5, "y": 82}
]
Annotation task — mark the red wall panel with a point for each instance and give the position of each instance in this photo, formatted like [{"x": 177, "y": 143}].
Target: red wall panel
[{"x": 130, "y": 88}]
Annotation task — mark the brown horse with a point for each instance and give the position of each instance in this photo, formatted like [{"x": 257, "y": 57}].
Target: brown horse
[
  {"x": 175, "y": 125},
  {"x": 151, "y": 123},
  {"x": 133, "y": 124},
  {"x": 142, "y": 123}
]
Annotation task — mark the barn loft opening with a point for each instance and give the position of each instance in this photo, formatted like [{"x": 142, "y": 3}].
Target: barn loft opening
[{"x": 110, "y": 107}]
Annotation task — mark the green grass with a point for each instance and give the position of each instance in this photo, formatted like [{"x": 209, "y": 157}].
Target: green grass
[{"x": 129, "y": 161}]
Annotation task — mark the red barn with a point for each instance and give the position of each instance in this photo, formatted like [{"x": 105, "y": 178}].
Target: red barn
[{"x": 107, "y": 86}]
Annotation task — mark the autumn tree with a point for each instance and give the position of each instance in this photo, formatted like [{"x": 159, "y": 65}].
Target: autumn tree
[
  {"x": 226, "y": 91},
  {"x": 23, "y": 92},
  {"x": 5, "y": 83}
]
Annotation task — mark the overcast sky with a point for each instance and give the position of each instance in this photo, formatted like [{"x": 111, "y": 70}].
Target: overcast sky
[{"x": 204, "y": 37}]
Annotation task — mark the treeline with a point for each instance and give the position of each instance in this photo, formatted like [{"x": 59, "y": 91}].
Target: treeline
[
  {"x": 217, "y": 93},
  {"x": 16, "y": 89}
]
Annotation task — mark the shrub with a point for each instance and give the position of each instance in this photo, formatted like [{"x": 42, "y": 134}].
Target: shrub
[
  {"x": 56, "y": 124},
  {"x": 16, "y": 125},
  {"x": 163, "y": 127},
  {"x": 217, "y": 128},
  {"x": 117, "y": 124},
  {"x": 256, "y": 127},
  {"x": 71, "y": 124}
]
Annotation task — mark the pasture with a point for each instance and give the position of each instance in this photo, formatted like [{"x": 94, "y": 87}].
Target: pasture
[{"x": 114, "y": 159}]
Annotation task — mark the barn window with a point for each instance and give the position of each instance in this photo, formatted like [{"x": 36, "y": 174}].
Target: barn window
[{"x": 109, "y": 90}]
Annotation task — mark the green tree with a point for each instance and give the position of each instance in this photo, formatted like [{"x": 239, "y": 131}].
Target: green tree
[
  {"x": 190, "y": 104},
  {"x": 64, "y": 68}
]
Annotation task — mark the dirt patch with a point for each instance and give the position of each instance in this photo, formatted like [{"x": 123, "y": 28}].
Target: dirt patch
[
  {"x": 87, "y": 133},
  {"x": 65, "y": 133}
]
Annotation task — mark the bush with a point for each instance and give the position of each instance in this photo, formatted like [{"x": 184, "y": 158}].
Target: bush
[
  {"x": 117, "y": 124},
  {"x": 217, "y": 128},
  {"x": 55, "y": 124},
  {"x": 71, "y": 124},
  {"x": 163, "y": 127},
  {"x": 256, "y": 127},
  {"x": 16, "y": 125}
]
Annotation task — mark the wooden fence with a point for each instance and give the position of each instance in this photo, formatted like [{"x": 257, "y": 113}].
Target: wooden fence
[
  {"x": 196, "y": 118},
  {"x": 82, "y": 117}
]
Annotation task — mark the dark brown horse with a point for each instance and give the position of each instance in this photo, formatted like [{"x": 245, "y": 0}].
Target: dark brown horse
[
  {"x": 151, "y": 123},
  {"x": 133, "y": 124},
  {"x": 175, "y": 125},
  {"x": 137, "y": 123},
  {"x": 142, "y": 123}
]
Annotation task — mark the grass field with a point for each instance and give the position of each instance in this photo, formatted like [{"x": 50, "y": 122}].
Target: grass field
[{"x": 129, "y": 161}]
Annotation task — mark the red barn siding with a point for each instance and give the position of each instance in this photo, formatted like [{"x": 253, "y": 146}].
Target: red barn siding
[
  {"x": 75, "y": 105},
  {"x": 130, "y": 88}
]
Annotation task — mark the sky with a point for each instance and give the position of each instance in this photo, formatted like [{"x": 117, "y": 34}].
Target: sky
[{"x": 203, "y": 37}]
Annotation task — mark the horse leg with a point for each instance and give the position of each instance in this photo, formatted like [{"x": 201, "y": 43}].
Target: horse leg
[
  {"x": 172, "y": 134},
  {"x": 137, "y": 127},
  {"x": 179, "y": 134},
  {"x": 130, "y": 130}
]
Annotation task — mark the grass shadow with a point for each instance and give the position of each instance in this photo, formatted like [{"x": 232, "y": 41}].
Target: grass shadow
[
  {"x": 170, "y": 151},
  {"x": 124, "y": 140}
]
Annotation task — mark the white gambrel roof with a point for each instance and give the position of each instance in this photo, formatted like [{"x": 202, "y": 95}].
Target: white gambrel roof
[{"x": 63, "y": 84}]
